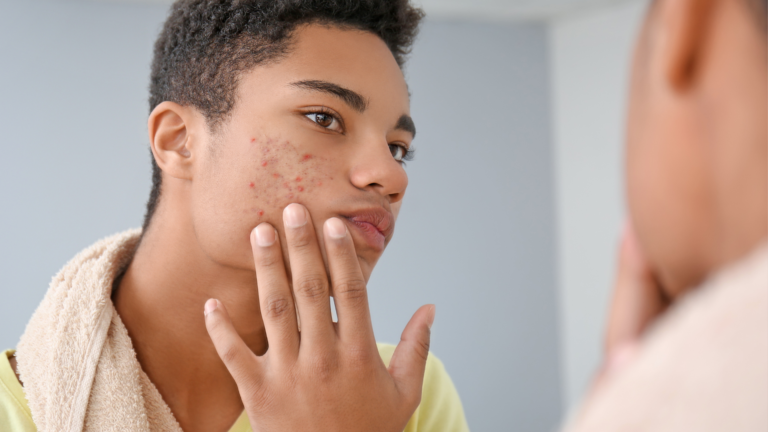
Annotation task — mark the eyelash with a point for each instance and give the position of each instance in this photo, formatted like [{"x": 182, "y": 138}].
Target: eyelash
[{"x": 409, "y": 152}]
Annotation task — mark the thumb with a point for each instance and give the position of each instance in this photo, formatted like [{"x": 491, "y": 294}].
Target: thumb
[
  {"x": 410, "y": 356},
  {"x": 241, "y": 362}
]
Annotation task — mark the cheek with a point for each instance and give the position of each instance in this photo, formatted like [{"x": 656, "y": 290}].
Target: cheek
[
  {"x": 279, "y": 173},
  {"x": 238, "y": 192}
]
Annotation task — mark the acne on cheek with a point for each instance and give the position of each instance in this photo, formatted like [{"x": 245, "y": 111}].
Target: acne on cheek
[{"x": 283, "y": 173}]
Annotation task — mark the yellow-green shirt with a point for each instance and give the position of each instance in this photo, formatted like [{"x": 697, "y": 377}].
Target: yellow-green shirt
[{"x": 440, "y": 409}]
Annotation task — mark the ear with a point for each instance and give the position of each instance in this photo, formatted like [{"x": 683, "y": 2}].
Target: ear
[
  {"x": 685, "y": 26},
  {"x": 172, "y": 139}
]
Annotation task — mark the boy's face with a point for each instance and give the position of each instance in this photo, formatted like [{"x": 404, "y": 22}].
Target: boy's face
[{"x": 324, "y": 127}]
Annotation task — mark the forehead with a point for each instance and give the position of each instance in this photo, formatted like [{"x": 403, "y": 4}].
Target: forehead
[{"x": 355, "y": 59}]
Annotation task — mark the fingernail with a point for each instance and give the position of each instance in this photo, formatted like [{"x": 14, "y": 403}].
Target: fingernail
[
  {"x": 294, "y": 216},
  {"x": 210, "y": 306},
  {"x": 336, "y": 228},
  {"x": 431, "y": 317},
  {"x": 265, "y": 235}
]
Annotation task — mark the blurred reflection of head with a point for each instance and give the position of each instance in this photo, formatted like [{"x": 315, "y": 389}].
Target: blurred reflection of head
[{"x": 697, "y": 143}]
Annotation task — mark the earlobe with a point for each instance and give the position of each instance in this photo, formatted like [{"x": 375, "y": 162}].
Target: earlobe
[
  {"x": 171, "y": 140},
  {"x": 685, "y": 24}
]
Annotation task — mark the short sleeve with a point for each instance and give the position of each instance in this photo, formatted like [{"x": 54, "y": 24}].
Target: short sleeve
[{"x": 440, "y": 409}]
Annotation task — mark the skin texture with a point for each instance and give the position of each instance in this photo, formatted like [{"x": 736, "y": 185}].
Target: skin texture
[
  {"x": 696, "y": 156},
  {"x": 218, "y": 185}
]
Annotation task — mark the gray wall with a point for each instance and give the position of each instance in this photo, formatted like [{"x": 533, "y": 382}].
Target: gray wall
[
  {"x": 74, "y": 165},
  {"x": 591, "y": 56},
  {"x": 476, "y": 234}
]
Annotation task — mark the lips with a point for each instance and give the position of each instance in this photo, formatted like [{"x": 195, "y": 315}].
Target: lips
[{"x": 374, "y": 225}]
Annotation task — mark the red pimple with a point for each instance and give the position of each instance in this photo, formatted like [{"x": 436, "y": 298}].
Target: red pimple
[
  {"x": 306, "y": 157},
  {"x": 264, "y": 163},
  {"x": 261, "y": 213},
  {"x": 298, "y": 179},
  {"x": 253, "y": 140},
  {"x": 301, "y": 189},
  {"x": 276, "y": 175},
  {"x": 319, "y": 183},
  {"x": 251, "y": 184}
]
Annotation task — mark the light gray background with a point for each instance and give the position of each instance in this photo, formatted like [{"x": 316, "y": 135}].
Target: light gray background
[{"x": 519, "y": 120}]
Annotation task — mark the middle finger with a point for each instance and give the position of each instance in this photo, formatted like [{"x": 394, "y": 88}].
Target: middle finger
[{"x": 310, "y": 280}]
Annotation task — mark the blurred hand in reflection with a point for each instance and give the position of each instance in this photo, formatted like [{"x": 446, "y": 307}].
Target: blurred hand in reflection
[{"x": 637, "y": 301}]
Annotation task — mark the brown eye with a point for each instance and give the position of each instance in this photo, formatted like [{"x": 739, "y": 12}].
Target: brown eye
[
  {"x": 325, "y": 120},
  {"x": 398, "y": 152}
]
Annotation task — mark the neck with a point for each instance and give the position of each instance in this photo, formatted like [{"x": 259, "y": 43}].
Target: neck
[{"x": 160, "y": 299}]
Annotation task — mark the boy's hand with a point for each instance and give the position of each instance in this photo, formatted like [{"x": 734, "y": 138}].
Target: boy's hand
[
  {"x": 637, "y": 301},
  {"x": 329, "y": 376}
]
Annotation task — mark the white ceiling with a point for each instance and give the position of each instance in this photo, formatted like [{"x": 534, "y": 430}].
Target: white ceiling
[
  {"x": 508, "y": 9},
  {"x": 485, "y": 9}
]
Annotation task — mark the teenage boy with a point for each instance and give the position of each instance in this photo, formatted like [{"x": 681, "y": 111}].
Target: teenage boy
[
  {"x": 687, "y": 342},
  {"x": 261, "y": 112}
]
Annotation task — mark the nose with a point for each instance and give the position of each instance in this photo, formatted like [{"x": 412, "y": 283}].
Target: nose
[{"x": 376, "y": 170}]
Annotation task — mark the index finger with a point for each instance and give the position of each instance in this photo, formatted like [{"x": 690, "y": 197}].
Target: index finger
[
  {"x": 275, "y": 299},
  {"x": 350, "y": 293},
  {"x": 637, "y": 297}
]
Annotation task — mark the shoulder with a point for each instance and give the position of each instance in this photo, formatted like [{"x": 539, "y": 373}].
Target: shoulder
[{"x": 440, "y": 408}]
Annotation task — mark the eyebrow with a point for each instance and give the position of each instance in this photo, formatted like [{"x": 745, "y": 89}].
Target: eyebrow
[
  {"x": 405, "y": 123},
  {"x": 350, "y": 97}
]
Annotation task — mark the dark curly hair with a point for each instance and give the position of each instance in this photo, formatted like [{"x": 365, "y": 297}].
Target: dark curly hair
[{"x": 206, "y": 45}]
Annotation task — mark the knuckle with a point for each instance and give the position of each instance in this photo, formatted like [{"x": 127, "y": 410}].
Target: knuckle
[
  {"x": 313, "y": 288},
  {"x": 229, "y": 354},
  {"x": 421, "y": 346},
  {"x": 413, "y": 399},
  {"x": 277, "y": 307},
  {"x": 350, "y": 290},
  {"x": 323, "y": 368},
  {"x": 256, "y": 396},
  {"x": 301, "y": 239},
  {"x": 423, "y": 350},
  {"x": 269, "y": 259},
  {"x": 360, "y": 358}
]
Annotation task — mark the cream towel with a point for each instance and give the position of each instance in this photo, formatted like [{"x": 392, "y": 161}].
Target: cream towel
[
  {"x": 703, "y": 368},
  {"x": 76, "y": 360}
]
